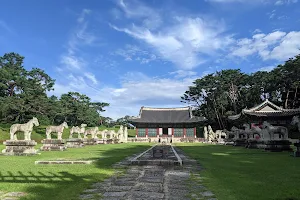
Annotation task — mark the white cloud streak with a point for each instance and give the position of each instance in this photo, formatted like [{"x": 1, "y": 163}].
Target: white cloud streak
[{"x": 277, "y": 45}]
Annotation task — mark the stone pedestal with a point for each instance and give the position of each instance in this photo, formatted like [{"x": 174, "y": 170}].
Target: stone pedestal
[
  {"x": 278, "y": 145},
  {"x": 19, "y": 147},
  {"x": 240, "y": 142},
  {"x": 53, "y": 145},
  {"x": 74, "y": 143},
  {"x": 90, "y": 141}
]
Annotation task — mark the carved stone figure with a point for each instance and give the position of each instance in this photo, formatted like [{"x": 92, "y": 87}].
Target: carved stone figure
[
  {"x": 79, "y": 130},
  {"x": 205, "y": 133},
  {"x": 91, "y": 131},
  {"x": 296, "y": 121},
  {"x": 56, "y": 129},
  {"x": 211, "y": 134},
  {"x": 276, "y": 132},
  {"x": 125, "y": 135},
  {"x": 21, "y": 147},
  {"x": 120, "y": 134},
  {"x": 26, "y": 128}
]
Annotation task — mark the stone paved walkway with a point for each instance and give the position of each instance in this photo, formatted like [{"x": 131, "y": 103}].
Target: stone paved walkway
[
  {"x": 11, "y": 195},
  {"x": 152, "y": 182}
]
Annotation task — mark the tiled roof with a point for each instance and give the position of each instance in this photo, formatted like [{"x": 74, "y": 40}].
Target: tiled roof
[
  {"x": 166, "y": 115},
  {"x": 266, "y": 109}
]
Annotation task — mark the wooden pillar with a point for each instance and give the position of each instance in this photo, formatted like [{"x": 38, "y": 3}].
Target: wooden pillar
[
  {"x": 184, "y": 132},
  {"x": 146, "y": 132},
  {"x": 157, "y": 132},
  {"x": 195, "y": 130},
  {"x": 172, "y": 132},
  {"x": 136, "y": 132}
]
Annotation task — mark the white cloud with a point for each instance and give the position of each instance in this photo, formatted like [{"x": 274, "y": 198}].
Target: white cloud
[
  {"x": 72, "y": 62},
  {"x": 275, "y": 2},
  {"x": 82, "y": 15},
  {"x": 283, "y": 2},
  {"x": 267, "y": 68},
  {"x": 4, "y": 26},
  {"x": 183, "y": 73},
  {"x": 277, "y": 45},
  {"x": 135, "y": 53},
  {"x": 147, "y": 16},
  {"x": 186, "y": 43},
  {"x": 91, "y": 77},
  {"x": 136, "y": 90}
]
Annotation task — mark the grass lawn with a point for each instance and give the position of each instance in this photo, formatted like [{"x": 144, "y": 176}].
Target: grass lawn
[
  {"x": 235, "y": 173},
  {"x": 20, "y": 174}
]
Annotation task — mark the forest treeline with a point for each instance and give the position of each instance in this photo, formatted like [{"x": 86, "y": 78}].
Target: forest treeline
[
  {"x": 227, "y": 92},
  {"x": 23, "y": 95}
]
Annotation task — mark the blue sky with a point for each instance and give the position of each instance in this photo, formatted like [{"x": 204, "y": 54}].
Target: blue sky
[{"x": 134, "y": 53}]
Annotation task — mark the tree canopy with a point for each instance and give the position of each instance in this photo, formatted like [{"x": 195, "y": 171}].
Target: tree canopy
[
  {"x": 227, "y": 92},
  {"x": 23, "y": 94}
]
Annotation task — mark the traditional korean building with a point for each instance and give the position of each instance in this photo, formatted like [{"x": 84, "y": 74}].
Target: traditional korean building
[
  {"x": 266, "y": 111},
  {"x": 172, "y": 123}
]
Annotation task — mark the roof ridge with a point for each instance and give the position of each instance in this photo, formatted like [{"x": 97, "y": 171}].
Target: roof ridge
[{"x": 178, "y": 108}]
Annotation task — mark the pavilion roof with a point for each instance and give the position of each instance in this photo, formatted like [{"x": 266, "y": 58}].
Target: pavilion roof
[
  {"x": 266, "y": 109},
  {"x": 166, "y": 115}
]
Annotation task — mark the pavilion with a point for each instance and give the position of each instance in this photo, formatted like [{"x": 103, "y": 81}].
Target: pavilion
[
  {"x": 173, "y": 123},
  {"x": 266, "y": 111}
]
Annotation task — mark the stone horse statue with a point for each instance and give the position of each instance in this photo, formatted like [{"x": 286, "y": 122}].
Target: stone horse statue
[
  {"x": 26, "y": 128},
  {"x": 276, "y": 132},
  {"x": 79, "y": 130},
  {"x": 92, "y": 131},
  {"x": 56, "y": 129},
  {"x": 111, "y": 133}
]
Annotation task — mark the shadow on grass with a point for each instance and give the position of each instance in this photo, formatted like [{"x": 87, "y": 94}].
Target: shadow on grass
[{"x": 44, "y": 184}]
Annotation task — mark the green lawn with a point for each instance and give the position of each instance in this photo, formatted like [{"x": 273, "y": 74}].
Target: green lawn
[
  {"x": 20, "y": 174},
  {"x": 235, "y": 173}
]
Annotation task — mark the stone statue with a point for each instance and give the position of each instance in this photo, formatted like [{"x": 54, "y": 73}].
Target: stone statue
[
  {"x": 56, "y": 129},
  {"x": 92, "y": 132},
  {"x": 125, "y": 134},
  {"x": 26, "y": 128},
  {"x": 205, "y": 133},
  {"x": 120, "y": 134},
  {"x": 211, "y": 134},
  {"x": 104, "y": 134},
  {"x": 79, "y": 130},
  {"x": 276, "y": 131},
  {"x": 296, "y": 121}
]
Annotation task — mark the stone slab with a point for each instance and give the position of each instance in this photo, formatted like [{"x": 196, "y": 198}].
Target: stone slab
[{"x": 64, "y": 162}]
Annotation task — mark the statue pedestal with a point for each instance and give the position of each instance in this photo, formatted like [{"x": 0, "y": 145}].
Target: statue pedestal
[
  {"x": 90, "y": 141},
  {"x": 53, "y": 145},
  {"x": 278, "y": 145},
  {"x": 74, "y": 143},
  {"x": 19, "y": 147},
  {"x": 240, "y": 142}
]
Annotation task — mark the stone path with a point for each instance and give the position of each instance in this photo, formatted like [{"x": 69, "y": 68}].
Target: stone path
[
  {"x": 11, "y": 195},
  {"x": 152, "y": 182}
]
